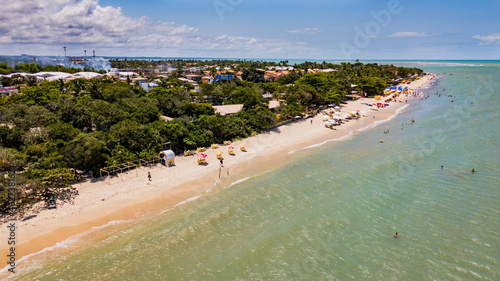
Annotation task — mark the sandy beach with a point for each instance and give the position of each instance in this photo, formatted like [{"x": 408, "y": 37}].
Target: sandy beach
[{"x": 130, "y": 195}]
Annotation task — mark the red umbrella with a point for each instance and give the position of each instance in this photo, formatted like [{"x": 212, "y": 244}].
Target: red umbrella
[
  {"x": 201, "y": 155},
  {"x": 230, "y": 147}
]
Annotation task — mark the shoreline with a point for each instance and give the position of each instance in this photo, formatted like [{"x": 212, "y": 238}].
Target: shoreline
[{"x": 130, "y": 196}]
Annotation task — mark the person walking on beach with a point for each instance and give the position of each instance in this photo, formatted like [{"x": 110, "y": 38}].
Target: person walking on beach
[
  {"x": 149, "y": 175},
  {"x": 222, "y": 162}
]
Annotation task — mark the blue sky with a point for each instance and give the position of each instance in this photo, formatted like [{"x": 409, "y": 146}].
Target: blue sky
[{"x": 293, "y": 29}]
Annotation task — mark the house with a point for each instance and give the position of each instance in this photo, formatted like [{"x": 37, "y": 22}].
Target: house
[
  {"x": 148, "y": 87},
  {"x": 273, "y": 76},
  {"x": 194, "y": 77},
  {"x": 273, "y": 104},
  {"x": 207, "y": 79}
]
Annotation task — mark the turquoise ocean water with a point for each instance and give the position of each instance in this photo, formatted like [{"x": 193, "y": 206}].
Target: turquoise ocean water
[{"x": 329, "y": 214}]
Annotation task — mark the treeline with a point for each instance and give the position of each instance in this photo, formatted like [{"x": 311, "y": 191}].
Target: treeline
[
  {"x": 51, "y": 129},
  {"x": 135, "y": 63}
]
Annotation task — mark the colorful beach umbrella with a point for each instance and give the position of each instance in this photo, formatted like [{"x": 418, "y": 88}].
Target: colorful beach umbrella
[{"x": 201, "y": 155}]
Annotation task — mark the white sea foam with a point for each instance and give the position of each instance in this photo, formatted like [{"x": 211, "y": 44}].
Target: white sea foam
[
  {"x": 327, "y": 141},
  {"x": 164, "y": 211},
  {"x": 68, "y": 243},
  {"x": 238, "y": 181},
  {"x": 378, "y": 123}
]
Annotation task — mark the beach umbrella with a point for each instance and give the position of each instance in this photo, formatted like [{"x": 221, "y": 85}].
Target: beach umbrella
[
  {"x": 230, "y": 147},
  {"x": 201, "y": 155}
]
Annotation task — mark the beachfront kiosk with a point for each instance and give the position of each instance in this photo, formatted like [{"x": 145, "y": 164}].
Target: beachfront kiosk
[{"x": 167, "y": 157}]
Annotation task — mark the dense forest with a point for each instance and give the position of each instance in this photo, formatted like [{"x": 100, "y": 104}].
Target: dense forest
[{"x": 52, "y": 129}]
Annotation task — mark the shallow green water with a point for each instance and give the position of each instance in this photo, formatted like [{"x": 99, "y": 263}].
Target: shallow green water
[{"x": 330, "y": 213}]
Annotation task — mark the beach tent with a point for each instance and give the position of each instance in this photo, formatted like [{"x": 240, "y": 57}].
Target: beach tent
[
  {"x": 230, "y": 150},
  {"x": 242, "y": 147},
  {"x": 167, "y": 157}
]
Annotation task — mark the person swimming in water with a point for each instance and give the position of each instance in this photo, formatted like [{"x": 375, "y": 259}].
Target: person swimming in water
[{"x": 396, "y": 235}]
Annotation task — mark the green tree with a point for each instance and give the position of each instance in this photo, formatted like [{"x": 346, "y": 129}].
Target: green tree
[
  {"x": 87, "y": 152},
  {"x": 372, "y": 85}
]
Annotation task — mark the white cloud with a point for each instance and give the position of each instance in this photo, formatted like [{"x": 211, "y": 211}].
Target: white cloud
[
  {"x": 86, "y": 24},
  {"x": 488, "y": 39},
  {"x": 409, "y": 34},
  {"x": 305, "y": 30}
]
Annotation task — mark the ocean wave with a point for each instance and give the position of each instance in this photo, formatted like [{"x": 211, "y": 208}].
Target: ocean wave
[
  {"x": 448, "y": 64},
  {"x": 239, "y": 181},
  {"x": 380, "y": 122},
  {"x": 68, "y": 243},
  {"x": 327, "y": 141}
]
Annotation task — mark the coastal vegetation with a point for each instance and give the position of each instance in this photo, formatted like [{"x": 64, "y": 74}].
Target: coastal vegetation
[{"x": 52, "y": 132}]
